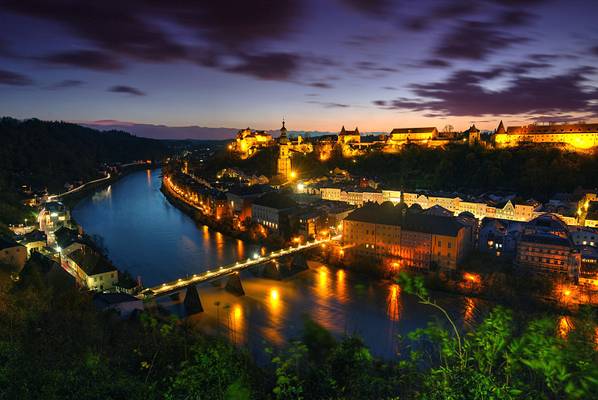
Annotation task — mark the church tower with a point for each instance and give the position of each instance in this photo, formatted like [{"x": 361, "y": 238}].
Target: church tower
[
  {"x": 284, "y": 156},
  {"x": 474, "y": 135}
]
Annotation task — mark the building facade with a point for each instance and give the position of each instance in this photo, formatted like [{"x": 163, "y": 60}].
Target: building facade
[
  {"x": 92, "y": 269},
  {"x": 53, "y": 216},
  {"x": 580, "y": 136},
  {"x": 399, "y": 136},
  {"x": 402, "y": 238},
  {"x": 546, "y": 246},
  {"x": 249, "y": 141}
]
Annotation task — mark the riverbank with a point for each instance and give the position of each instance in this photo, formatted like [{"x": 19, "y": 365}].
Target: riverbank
[
  {"x": 513, "y": 289},
  {"x": 71, "y": 199},
  {"x": 199, "y": 217},
  {"x": 518, "y": 290}
]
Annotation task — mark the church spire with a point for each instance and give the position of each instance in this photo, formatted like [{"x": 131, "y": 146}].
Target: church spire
[
  {"x": 501, "y": 128},
  {"x": 283, "y": 134}
]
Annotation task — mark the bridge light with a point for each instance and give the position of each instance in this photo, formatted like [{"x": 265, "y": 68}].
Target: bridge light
[{"x": 255, "y": 256}]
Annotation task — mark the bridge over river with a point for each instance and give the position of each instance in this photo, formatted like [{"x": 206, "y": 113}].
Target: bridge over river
[{"x": 192, "y": 302}]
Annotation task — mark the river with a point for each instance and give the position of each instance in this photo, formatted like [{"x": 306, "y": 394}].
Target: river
[{"x": 147, "y": 236}]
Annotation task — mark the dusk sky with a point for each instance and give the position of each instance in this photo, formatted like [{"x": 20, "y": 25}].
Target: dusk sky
[{"x": 319, "y": 63}]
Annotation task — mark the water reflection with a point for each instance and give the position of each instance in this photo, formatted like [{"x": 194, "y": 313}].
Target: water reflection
[
  {"x": 240, "y": 249},
  {"x": 148, "y": 174},
  {"x": 341, "y": 286},
  {"x": 219, "y": 238},
  {"x": 393, "y": 302},
  {"x": 237, "y": 324},
  {"x": 169, "y": 245},
  {"x": 275, "y": 307},
  {"x": 469, "y": 311},
  {"x": 322, "y": 297},
  {"x": 102, "y": 195}
]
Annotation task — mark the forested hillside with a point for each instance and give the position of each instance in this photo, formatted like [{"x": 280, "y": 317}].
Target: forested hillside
[
  {"x": 536, "y": 171},
  {"x": 51, "y": 153},
  {"x": 44, "y": 154}
]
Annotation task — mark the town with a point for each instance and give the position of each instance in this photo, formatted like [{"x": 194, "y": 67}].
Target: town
[
  {"x": 399, "y": 229},
  {"x": 420, "y": 230},
  {"x": 299, "y": 200}
]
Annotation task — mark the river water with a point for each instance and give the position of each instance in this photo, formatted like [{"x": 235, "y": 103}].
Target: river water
[{"x": 144, "y": 234}]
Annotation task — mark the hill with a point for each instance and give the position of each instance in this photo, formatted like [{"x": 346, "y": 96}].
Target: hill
[{"x": 44, "y": 154}]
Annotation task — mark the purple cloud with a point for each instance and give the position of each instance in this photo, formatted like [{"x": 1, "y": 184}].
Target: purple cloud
[
  {"x": 126, "y": 90},
  {"x": 475, "y": 40},
  {"x": 136, "y": 29},
  {"x": 329, "y": 104},
  {"x": 371, "y": 7},
  {"x": 320, "y": 85},
  {"x": 463, "y": 94},
  {"x": 90, "y": 59},
  {"x": 268, "y": 66},
  {"x": 514, "y": 18},
  {"x": 66, "y": 84},
  {"x": 373, "y": 67},
  {"x": 435, "y": 63},
  {"x": 13, "y": 78}
]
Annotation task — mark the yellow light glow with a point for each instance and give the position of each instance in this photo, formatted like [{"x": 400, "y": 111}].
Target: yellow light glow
[{"x": 274, "y": 294}]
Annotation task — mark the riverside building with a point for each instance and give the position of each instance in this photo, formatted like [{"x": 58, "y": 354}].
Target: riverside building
[{"x": 403, "y": 238}]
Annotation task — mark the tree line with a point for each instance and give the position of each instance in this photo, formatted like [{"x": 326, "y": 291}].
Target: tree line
[
  {"x": 44, "y": 154},
  {"x": 55, "y": 345}
]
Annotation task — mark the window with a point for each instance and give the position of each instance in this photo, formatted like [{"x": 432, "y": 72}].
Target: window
[
  {"x": 449, "y": 244},
  {"x": 439, "y": 243}
]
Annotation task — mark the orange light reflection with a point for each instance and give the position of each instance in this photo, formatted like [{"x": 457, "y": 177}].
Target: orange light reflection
[{"x": 393, "y": 306}]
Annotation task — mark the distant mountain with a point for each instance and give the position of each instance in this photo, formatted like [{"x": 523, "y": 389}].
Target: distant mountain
[
  {"x": 180, "y": 132},
  {"x": 164, "y": 132}
]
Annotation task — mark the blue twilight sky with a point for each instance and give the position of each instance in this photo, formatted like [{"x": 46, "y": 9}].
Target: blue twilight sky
[{"x": 321, "y": 64}]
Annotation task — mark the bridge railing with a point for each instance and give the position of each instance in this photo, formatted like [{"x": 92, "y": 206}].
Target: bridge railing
[{"x": 181, "y": 283}]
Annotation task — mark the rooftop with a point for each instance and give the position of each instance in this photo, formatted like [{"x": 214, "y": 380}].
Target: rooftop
[
  {"x": 65, "y": 236},
  {"x": 91, "y": 262},
  {"x": 536, "y": 129},
  {"x": 547, "y": 239},
  {"x": 428, "y": 129},
  {"x": 388, "y": 214},
  {"x": 33, "y": 236},
  {"x": 275, "y": 200}
]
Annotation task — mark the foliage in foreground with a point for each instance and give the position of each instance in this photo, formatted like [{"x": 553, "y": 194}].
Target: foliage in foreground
[{"x": 54, "y": 345}]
